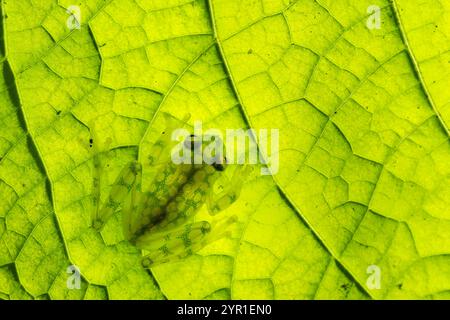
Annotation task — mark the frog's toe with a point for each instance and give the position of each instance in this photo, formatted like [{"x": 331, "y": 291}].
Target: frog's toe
[
  {"x": 147, "y": 262},
  {"x": 224, "y": 223},
  {"x": 97, "y": 224}
]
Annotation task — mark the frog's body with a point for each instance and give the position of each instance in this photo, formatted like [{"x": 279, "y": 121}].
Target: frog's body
[{"x": 160, "y": 220}]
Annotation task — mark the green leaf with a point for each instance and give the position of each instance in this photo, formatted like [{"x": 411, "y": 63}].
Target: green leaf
[{"x": 363, "y": 114}]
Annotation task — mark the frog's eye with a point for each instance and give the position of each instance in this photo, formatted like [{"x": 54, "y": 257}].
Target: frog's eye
[
  {"x": 219, "y": 166},
  {"x": 192, "y": 142}
]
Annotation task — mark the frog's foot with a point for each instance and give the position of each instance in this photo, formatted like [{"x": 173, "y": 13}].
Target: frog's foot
[
  {"x": 180, "y": 243},
  {"x": 161, "y": 151},
  {"x": 172, "y": 245},
  {"x": 230, "y": 193},
  {"x": 98, "y": 224},
  {"x": 220, "y": 229}
]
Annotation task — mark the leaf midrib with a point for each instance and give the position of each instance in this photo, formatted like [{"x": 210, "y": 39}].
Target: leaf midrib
[{"x": 416, "y": 66}]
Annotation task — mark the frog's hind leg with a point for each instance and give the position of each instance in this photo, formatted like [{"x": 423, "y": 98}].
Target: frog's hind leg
[
  {"x": 180, "y": 243},
  {"x": 225, "y": 198},
  {"x": 172, "y": 245}
]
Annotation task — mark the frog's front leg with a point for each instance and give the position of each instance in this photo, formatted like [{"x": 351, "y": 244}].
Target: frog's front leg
[
  {"x": 98, "y": 149},
  {"x": 230, "y": 193},
  {"x": 120, "y": 190},
  {"x": 161, "y": 151}
]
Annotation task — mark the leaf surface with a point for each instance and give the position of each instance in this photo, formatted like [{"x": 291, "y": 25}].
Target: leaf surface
[{"x": 364, "y": 161}]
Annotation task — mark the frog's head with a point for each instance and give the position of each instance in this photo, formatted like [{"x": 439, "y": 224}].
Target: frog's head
[{"x": 210, "y": 150}]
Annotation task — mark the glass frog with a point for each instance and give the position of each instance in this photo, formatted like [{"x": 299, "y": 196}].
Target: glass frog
[{"x": 160, "y": 220}]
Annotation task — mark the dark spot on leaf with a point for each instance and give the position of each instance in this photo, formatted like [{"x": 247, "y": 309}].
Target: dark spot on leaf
[
  {"x": 345, "y": 286},
  {"x": 400, "y": 286},
  {"x": 250, "y": 51},
  {"x": 58, "y": 112}
]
